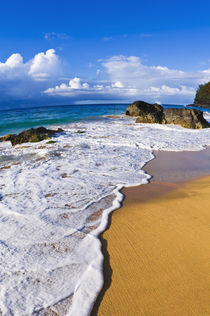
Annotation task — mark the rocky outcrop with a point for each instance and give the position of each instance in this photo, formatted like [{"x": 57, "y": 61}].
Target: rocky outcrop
[
  {"x": 155, "y": 113},
  {"x": 147, "y": 113},
  {"x": 188, "y": 118},
  {"x": 31, "y": 135}
]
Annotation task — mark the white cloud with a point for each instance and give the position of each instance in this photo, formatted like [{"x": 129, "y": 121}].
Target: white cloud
[
  {"x": 127, "y": 78},
  {"x": 26, "y": 80},
  {"x": 154, "y": 81},
  {"x": 75, "y": 83},
  {"x": 117, "y": 84},
  {"x": 113, "y": 91},
  {"x": 15, "y": 60},
  {"x": 73, "y": 87},
  {"x": 12, "y": 68},
  {"x": 121, "y": 77},
  {"x": 131, "y": 71},
  {"x": 168, "y": 91},
  {"x": 45, "y": 65},
  {"x": 77, "y": 88},
  {"x": 40, "y": 67}
]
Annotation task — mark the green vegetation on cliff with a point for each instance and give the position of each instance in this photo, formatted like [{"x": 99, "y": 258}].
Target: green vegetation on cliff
[{"x": 202, "y": 96}]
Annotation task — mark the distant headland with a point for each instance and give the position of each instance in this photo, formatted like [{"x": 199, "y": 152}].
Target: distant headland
[{"x": 202, "y": 97}]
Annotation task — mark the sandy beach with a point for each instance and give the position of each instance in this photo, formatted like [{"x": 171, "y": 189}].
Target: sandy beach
[{"x": 157, "y": 246}]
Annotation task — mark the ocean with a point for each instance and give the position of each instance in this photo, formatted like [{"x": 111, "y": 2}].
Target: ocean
[
  {"x": 15, "y": 120},
  {"x": 55, "y": 200}
]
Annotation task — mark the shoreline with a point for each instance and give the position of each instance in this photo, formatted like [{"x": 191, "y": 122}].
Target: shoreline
[
  {"x": 19, "y": 129},
  {"x": 104, "y": 158},
  {"x": 170, "y": 171}
]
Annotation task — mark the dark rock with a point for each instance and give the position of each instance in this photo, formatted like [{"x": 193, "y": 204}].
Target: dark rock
[
  {"x": 155, "y": 113},
  {"x": 31, "y": 135},
  {"x": 147, "y": 113}
]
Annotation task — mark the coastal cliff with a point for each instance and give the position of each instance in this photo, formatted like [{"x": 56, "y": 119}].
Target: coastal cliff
[{"x": 155, "y": 113}]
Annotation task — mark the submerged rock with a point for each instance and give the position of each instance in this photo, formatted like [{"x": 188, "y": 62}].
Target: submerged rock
[
  {"x": 31, "y": 135},
  {"x": 155, "y": 113}
]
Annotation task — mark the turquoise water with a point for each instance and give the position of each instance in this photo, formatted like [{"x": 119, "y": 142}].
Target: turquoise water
[{"x": 16, "y": 120}]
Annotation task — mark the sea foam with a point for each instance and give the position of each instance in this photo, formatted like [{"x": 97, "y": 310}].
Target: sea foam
[{"x": 55, "y": 200}]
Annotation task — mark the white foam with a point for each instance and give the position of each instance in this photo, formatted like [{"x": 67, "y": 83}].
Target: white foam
[
  {"x": 48, "y": 248},
  {"x": 206, "y": 115}
]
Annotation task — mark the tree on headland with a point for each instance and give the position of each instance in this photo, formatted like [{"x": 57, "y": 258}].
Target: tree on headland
[{"x": 202, "y": 96}]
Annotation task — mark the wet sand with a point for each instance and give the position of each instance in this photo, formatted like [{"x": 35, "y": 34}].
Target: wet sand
[{"x": 157, "y": 256}]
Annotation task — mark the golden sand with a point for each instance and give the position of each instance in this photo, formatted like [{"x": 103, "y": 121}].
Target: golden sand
[{"x": 160, "y": 253}]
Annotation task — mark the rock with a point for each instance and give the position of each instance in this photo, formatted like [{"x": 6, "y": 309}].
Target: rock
[
  {"x": 155, "y": 113},
  {"x": 147, "y": 113},
  {"x": 31, "y": 135},
  {"x": 188, "y": 118}
]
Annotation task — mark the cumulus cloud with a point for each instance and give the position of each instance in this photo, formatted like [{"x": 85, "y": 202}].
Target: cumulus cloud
[
  {"x": 12, "y": 68},
  {"x": 45, "y": 65},
  {"x": 15, "y": 60},
  {"x": 72, "y": 88},
  {"x": 77, "y": 88},
  {"x": 132, "y": 72},
  {"x": 40, "y": 67},
  {"x": 126, "y": 78},
  {"x": 19, "y": 80},
  {"x": 154, "y": 81},
  {"x": 122, "y": 78}
]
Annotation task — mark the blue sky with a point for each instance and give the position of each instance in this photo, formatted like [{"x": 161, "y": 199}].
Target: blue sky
[{"x": 103, "y": 50}]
